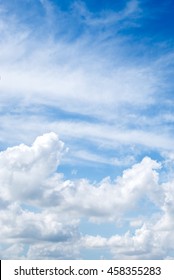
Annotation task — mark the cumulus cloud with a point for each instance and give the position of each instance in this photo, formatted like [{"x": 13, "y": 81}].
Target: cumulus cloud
[
  {"x": 24, "y": 169},
  {"x": 42, "y": 211},
  {"x": 78, "y": 73},
  {"x": 143, "y": 244}
]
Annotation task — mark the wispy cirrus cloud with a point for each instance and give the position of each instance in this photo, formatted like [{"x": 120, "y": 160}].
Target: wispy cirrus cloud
[
  {"x": 106, "y": 18},
  {"x": 94, "y": 78}
]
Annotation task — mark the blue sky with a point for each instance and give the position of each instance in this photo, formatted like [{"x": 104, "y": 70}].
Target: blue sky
[{"x": 87, "y": 126}]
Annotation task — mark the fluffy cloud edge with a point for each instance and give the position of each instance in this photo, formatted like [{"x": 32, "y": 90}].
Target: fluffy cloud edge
[{"x": 49, "y": 213}]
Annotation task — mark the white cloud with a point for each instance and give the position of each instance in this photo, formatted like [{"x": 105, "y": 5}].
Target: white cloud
[
  {"x": 107, "y": 94},
  {"x": 105, "y": 18},
  {"x": 44, "y": 71},
  {"x": 43, "y": 210},
  {"x": 39, "y": 67},
  {"x": 24, "y": 169},
  {"x": 144, "y": 244}
]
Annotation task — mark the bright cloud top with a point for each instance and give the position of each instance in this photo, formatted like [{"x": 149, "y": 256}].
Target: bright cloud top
[
  {"x": 100, "y": 75},
  {"x": 41, "y": 212}
]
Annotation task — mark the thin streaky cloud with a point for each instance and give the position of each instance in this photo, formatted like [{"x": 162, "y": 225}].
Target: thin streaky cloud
[{"x": 86, "y": 142}]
